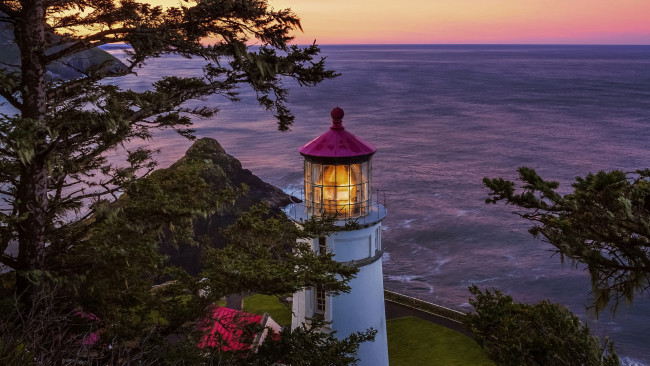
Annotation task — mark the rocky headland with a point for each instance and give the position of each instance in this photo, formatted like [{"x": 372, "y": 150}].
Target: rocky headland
[{"x": 225, "y": 172}]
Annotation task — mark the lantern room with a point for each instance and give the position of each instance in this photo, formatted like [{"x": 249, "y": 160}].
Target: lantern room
[{"x": 337, "y": 172}]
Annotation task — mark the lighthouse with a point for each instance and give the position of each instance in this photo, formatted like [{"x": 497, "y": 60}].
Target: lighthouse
[{"x": 337, "y": 183}]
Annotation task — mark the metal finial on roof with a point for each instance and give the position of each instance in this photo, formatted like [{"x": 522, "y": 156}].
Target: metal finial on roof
[
  {"x": 337, "y": 119},
  {"x": 337, "y": 113},
  {"x": 337, "y": 142}
]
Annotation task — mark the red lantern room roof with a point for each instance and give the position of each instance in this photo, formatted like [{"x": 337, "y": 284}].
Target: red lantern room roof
[{"x": 337, "y": 142}]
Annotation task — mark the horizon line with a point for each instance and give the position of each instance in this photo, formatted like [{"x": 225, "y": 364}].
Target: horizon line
[
  {"x": 473, "y": 44},
  {"x": 451, "y": 44}
]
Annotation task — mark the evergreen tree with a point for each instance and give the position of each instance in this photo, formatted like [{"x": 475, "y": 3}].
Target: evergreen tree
[
  {"x": 515, "y": 334},
  {"x": 87, "y": 260},
  {"x": 604, "y": 223},
  {"x": 52, "y": 150}
]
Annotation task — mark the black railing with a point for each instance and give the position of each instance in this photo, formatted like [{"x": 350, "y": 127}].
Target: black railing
[{"x": 300, "y": 211}]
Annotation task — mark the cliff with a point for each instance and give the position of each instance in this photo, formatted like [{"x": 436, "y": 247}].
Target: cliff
[{"x": 225, "y": 172}]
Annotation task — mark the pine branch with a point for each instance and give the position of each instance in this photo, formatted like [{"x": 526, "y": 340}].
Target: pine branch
[{"x": 7, "y": 260}]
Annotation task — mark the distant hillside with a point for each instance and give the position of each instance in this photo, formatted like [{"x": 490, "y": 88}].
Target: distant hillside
[{"x": 71, "y": 67}]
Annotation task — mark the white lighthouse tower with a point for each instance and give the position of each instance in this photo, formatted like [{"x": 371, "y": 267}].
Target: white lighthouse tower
[{"x": 338, "y": 183}]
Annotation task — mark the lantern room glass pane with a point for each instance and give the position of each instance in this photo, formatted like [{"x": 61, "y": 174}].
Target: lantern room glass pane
[
  {"x": 309, "y": 191},
  {"x": 341, "y": 190},
  {"x": 307, "y": 171},
  {"x": 317, "y": 173},
  {"x": 318, "y": 193},
  {"x": 355, "y": 173}
]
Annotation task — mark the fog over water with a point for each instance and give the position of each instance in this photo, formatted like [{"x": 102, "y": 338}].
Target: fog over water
[{"x": 442, "y": 118}]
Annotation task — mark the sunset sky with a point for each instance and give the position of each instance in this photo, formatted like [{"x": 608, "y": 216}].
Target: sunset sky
[{"x": 471, "y": 21}]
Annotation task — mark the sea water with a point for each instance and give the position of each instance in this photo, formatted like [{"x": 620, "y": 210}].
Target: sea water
[{"x": 442, "y": 118}]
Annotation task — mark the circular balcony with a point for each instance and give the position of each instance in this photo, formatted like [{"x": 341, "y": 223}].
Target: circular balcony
[{"x": 299, "y": 212}]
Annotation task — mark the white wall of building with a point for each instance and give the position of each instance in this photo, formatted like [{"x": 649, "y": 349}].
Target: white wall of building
[{"x": 363, "y": 307}]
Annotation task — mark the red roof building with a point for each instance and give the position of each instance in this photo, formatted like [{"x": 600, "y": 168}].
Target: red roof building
[{"x": 234, "y": 330}]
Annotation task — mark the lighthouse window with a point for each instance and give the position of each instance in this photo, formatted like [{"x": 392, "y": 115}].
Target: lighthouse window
[
  {"x": 322, "y": 245},
  {"x": 378, "y": 238},
  {"x": 320, "y": 300},
  {"x": 339, "y": 190}
]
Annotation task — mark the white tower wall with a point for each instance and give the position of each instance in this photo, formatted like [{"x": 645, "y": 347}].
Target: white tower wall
[{"x": 363, "y": 307}]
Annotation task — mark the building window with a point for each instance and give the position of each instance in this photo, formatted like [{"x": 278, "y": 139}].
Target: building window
[
  {"x": 378, "y": 239},
  {"x": 322, "y": 245},
  {"x": 320, "y": 301}
]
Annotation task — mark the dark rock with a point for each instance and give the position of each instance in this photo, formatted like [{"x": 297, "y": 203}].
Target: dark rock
[
  {"x": 227, "y": 173},
  {"x": 235, "y": 175}
]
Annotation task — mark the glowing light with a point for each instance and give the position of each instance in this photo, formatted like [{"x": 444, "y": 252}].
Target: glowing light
[{"x": 337, "y": 190}]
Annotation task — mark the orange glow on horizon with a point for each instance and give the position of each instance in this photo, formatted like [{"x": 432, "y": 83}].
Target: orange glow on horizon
[
  {"x": 471, "y": 21},
  {"x": 468, "y": 21}
]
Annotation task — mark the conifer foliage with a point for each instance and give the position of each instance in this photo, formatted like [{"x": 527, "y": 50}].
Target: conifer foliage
[
  {"x": 604, "y": 223},
  {"x": 548, "y": 334},
  {"x": 70, "y": 247}
]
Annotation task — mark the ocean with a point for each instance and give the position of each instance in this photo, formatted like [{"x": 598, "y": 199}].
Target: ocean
[{"x": 443, "y": 117}]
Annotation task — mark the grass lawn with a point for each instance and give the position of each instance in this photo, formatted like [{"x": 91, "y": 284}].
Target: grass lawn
[
  {"x": 413, "y": 341},
  {"x": 260, "y": 304}
]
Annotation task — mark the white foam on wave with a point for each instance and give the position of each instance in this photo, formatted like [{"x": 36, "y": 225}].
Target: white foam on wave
[
  {"x": 411, "y": 279},
  {"x": 406, "y": 224},
  {"x": 460, "y": 213},
  {"x": 627, "y": 361},
  {"x": 480, "y": 281},
  {"x": 402, "y": 278},
  {"x": 386, "y": 257},
  {"x": 439, "y": 263}
]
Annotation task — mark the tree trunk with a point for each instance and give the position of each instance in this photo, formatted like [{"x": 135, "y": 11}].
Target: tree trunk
[{"x": 31, "y": 200}]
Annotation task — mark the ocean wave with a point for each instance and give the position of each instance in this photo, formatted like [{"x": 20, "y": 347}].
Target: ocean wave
[
  {"x": 403, "y": 278},
  {"x": 385, "y": 258},
  {"x": 628, "y": 361},
  {"x": 439, "y": 263},
  {"x": 406, "y": 224},
  {"x": 479, "y": 281},
  {"x": 416, "y": 282}
]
